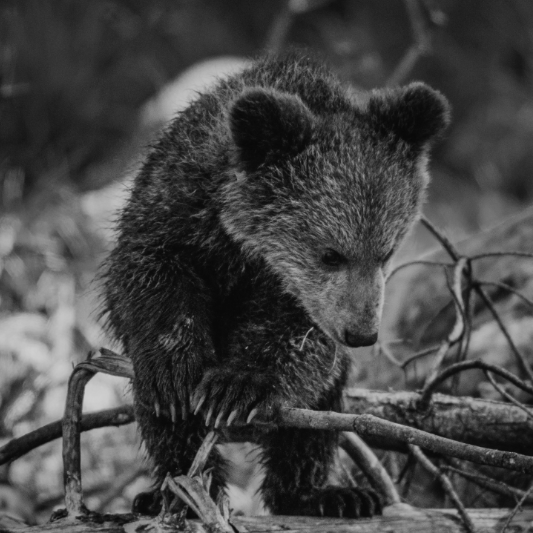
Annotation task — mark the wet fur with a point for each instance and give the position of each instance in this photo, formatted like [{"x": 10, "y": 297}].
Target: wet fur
[{"x": 216, "y": 288}]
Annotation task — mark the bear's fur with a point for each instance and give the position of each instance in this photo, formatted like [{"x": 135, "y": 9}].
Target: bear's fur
[{"x": 253, "y": 251}]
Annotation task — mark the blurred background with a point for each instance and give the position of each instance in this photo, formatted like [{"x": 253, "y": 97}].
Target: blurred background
[{"x": 85, "y": 86}]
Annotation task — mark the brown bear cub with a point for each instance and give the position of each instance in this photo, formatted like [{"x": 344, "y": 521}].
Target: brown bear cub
[{"x": 253, "y": 251}]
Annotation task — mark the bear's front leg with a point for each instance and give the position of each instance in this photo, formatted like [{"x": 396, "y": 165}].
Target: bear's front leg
[{"x": 162, "y": 310}]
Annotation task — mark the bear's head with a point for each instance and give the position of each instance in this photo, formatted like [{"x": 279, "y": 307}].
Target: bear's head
[{"x": 325, "y": 198}]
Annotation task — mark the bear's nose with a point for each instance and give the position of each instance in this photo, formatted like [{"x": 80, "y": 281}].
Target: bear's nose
[{"x": 354, "y": 340}]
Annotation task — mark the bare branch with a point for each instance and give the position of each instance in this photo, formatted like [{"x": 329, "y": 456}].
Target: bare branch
[
  {"x": 518, "y": 354},
  {"x": 458, "y": 329},
  {"x": 465, "y": 419},
  {"x": 419, "y": 355},
  {"x": 420, "y": 27},
  {"x": 15, "y": 448},
  {"x": 467, "y": 365},
  {"x": 371, "y": 467},
  {"x": 494, "y": 485},
  {"x": 506, "y": 287},
  {"x": 371, "y": 427},
  {"x": 517, "y": 508},
  {"x": 446, "y": 243},
  {"x": 501, "y": 254},
  {"x": 396, "y": 269},
  {"x": 446, "y": 485},
  {"x": 508, "y": 396}
]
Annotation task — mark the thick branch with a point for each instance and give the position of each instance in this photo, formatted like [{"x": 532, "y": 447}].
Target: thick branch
[
  {"x": 16, "y": 448},
  {"x": 480, "y": 422}
]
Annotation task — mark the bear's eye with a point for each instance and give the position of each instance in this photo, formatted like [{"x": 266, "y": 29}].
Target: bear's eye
[{"x": 332, "y": 258}]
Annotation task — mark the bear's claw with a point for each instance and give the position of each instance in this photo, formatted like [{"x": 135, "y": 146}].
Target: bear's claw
[
  {"x": 342, "y": 502},
  {"x": 228, "y": 396}
]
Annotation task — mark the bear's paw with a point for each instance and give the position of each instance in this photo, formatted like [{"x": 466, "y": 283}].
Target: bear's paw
[
  {"x": 228, "y": 395},
  {"x": 344, "y": 502}
]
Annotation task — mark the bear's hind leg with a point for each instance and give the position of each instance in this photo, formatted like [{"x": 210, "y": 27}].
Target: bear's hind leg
[{"x": 296, "y": 465}]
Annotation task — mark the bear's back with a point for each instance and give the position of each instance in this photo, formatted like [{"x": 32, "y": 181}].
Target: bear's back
[{"x": 292, "y": 73}]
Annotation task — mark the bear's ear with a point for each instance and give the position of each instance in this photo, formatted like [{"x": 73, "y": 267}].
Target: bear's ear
[
  {"x": 416, "y": 113},
  {"x": 268, "y": 124}
]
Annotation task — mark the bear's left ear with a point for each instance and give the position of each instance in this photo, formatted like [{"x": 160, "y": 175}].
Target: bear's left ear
[
  {"x": 269, "y": 124},
  {"x": 416, "y": 113}
]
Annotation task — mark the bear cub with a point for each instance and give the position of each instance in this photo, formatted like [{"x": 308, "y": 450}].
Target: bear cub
[{"x": 251, "y": 258}]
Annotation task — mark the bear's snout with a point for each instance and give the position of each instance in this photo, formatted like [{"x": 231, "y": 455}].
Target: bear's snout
[{"x": 356, "y": 340}]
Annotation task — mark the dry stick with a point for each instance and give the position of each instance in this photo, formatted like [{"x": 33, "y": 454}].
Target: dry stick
[
  {"x": 458, "y": 329},
  {"x": 469, "y": 311},
  {"x": 389, "y": 355},
  {"x": 420, "y": 47},
  {"x": 200, "y": 459},
  {"x": 71, "y": 442},
  {"x": 454, "y": 254},
  {"x": 516, "y": 509},
  {"x": 375, "y": 428},
  {"x": 15, "y": 448},
  {"x": 500, "y": 254},
  {"x": 463, "y": 419},
  {"x": 508, "y": 396},
  {"x": 418, "y": 355},
  {"x": 446, "y": 485},
  {"x": 486, "y": 482},
  {"x": 196, "y": 468},
  {"x": 371, "y": 467},
  {"x": 518, "y": 354},
  {"x": 446, "y": 243},
  {"x": 507, "y": 287},
  {"x": 110, "y": 363},
  {"x": 191, "y": 491},
  {"x": 425, "y": 395},
  {"x": 396, "y": 269}
]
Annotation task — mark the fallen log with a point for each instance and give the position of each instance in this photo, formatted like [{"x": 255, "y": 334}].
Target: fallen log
[{"x": 400, "y": 519}]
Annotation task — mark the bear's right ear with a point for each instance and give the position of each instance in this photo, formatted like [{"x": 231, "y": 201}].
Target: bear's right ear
[
  {"x": 268, "y": 124},
  {"x": 416, "y": 113}
]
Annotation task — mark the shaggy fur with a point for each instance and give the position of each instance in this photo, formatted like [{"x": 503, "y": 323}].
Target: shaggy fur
[{"x": 255, "y": 243}]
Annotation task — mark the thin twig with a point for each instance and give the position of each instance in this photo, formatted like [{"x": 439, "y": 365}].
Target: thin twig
[
  {"x": 396, "y": 269},
  {"x": 371, "y": 467},
  {"x": 485, "y": 482},
  {"x": 446, "y": 243},
  {"x": 420, "y": 47},
  {"x": 468, "y": 365},
  {"x": 506, "y": 287},
  {"x": 418, "y": 355},
  {"x": 517, "y": 508},
  {"x": 502, "y": 254},
  {"x": 384, "y": 349},
  {"x": 508, "y": 396},
  {"x": 446, "y": 485},
  {"x": 518, "y": 354},
  {"x": 458, "y": 329},
  {"x": 20, "y": 446},
  {"x": 454, "y": 254}
]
